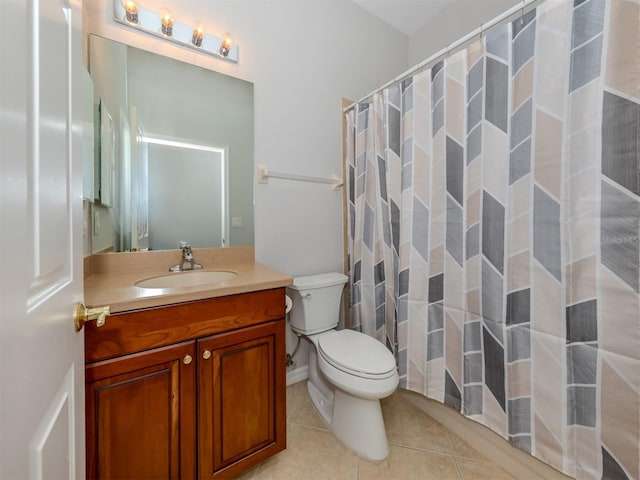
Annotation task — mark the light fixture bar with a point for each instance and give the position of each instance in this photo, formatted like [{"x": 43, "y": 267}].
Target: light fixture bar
[{"x": 149, "y": 22}]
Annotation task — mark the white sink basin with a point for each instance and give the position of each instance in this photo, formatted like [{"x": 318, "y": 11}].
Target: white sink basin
[{"x": 186, "y": 279}]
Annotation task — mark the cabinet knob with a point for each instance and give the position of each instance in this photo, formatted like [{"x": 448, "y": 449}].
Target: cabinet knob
[
  {"x": 206, "y": 354},
  {"x": 187, "y": 359}
]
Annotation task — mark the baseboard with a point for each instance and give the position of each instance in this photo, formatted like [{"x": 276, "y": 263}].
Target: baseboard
[
  {"x": 493, "y": 446},
  {"x": 297, "y": 375}
]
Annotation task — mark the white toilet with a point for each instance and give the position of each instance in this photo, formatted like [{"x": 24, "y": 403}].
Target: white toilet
[{"x": 349, "y": 372}]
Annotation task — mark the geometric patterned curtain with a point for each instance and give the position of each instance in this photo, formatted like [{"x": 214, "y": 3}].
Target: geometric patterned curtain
[
  {"x": 494, "y": 232},
  {"x": 373, "y": 251}
]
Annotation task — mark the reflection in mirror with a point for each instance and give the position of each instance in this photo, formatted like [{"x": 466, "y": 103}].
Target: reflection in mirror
[
  {"x": 88, "y": 136},
  {"x": 104, "y": 171},
  {"x": 182, "y": 154},
  {"x": 169, "y": 212}
]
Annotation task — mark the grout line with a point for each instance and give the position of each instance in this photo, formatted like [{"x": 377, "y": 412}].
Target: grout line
[
  {"x": 446, "y": 434},
  {"x": 426, "y": 450},
  {"x": 453, "y": 455},
  {"x": 460, "y": 475},
  {"x": 311, "y": 427}
]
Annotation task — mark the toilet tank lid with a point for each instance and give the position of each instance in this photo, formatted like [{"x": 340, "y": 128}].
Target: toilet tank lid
[{"x": 318, "y": 281}]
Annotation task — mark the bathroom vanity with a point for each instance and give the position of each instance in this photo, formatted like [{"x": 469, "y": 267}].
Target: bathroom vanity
[{"x": 186, "y": 382}]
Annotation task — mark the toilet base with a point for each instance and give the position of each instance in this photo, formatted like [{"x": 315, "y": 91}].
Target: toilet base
[
  {"x": 356, "y": 422},
  {"x": 321, "y": 403}
]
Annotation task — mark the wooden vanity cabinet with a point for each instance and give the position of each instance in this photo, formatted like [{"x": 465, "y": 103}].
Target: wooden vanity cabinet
[{"x": 194, "y": 390}]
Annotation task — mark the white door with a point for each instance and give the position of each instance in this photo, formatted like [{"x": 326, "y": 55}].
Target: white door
[{"x": 41, "y": 356}]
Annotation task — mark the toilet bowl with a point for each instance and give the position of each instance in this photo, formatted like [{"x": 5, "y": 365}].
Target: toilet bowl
[
  {"x": 356, "y": 363},
  {"x": 349, "y": 372}
]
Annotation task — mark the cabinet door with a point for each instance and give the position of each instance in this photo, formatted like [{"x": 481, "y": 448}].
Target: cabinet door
[
  {"x": 241, "y": 395},
  {"x": 141, "y": 415}
]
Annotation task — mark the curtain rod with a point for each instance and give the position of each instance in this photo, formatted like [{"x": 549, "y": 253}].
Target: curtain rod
[{"x": 513, "y": 11}]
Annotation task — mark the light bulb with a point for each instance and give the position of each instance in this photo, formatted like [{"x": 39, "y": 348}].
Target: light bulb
[
  {"x": 225, "y": 46},
  {"x": 131, "y": 12},
  {"x": 166, "y": 24},
  {"x": 198, "y": 35}
]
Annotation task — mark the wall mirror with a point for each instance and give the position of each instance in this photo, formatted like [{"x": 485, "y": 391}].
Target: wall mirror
[{"x": 175, "y": 143}]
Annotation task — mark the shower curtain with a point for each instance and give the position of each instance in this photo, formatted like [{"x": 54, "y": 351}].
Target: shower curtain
[{"x": 494, "y": 206}]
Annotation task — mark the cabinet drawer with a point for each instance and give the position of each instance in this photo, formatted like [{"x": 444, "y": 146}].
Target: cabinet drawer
[{"x": 139, "y": 330}]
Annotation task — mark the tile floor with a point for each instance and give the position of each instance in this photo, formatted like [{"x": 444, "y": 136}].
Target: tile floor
[{"x": 420, "y": 448}]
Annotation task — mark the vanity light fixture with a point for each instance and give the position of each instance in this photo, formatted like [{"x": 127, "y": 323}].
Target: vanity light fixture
[{"x": 164, "y": 25}]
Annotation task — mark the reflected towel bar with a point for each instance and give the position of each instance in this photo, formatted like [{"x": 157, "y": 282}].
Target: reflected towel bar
[{"x": 264, "y": 175}]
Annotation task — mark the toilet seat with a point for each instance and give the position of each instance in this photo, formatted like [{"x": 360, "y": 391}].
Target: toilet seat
[{"x": 356, "y": 354}]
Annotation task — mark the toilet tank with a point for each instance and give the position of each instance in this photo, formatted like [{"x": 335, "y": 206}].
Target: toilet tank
[{"x": 316, "y": 302}]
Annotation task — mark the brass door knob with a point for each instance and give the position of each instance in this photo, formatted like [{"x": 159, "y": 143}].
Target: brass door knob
[
  {"x": 206, "y": 354},
  {"x": 187, "y": 359},
  {"x": 82, "y": 314}
]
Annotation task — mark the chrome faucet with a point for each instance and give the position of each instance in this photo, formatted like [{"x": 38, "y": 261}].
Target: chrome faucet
[{"x": 187, "y": 262}]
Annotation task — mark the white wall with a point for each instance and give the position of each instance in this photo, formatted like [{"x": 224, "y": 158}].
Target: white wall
[{"x": 453, "y": 23}]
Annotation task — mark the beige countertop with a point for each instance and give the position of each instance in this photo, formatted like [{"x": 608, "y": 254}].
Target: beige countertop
[{"x": 111, "y": 278}]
